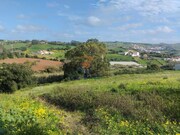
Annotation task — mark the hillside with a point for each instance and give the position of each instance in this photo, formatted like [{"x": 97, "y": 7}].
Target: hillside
[
  {"x": 37, "y": 64},
  {"x": 126, "y": 104}
]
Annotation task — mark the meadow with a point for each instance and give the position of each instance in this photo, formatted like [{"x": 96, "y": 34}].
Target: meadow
[{"x": 122, "y": 104}]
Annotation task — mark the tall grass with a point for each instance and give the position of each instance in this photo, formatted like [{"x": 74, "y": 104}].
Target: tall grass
[{"x": 136, "y": 101}]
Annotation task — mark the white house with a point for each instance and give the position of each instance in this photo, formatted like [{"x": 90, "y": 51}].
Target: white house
[
  {"x": 132, "y": 53},
  {"x": 176, "y": 59},
  {"x": 44, "y": 52}
]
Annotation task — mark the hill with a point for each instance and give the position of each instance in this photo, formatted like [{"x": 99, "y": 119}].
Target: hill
[{"x": 126, "y": 104}]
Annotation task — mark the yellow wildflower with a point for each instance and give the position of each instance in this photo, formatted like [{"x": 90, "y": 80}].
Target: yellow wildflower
[
  {"x": 124, "y": 123},
  {"x": 40, "y": 112}
]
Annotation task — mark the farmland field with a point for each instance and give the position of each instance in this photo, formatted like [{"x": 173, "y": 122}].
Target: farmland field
[
  {"x": 125, "y": 104},
  {"x": 38, "y": 65},
  {"x": 16, "y": 45},
  {"x": 38, "y": 47}
]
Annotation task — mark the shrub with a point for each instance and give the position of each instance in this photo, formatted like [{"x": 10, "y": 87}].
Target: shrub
[
  {"x": 51, "y": 69},
  {"x": 122, "y": 86},
  {"x": 153, "y": 67},
  {"x": 15, "y": 76}
]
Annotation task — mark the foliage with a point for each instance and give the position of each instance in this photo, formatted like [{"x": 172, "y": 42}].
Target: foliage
[
  {"x": 50, "y": 78},
  {"x": 15, "y": 76},
  {"x": 112, "y": 123},
  {"x": 28, "y": 117},
  {"x": 126, "y": 104},
  {"x": 118, "y": 57},
  {"x": 133, "y": 71},
  {"x": 87, "y": 60},
  {"x": 154, "y": 67}
]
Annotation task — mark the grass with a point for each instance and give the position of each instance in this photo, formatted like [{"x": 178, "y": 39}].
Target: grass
[
  {"x": 16, "y": 45},
  {"x": 38, "y": 47},
  {"x": 125, "y": 104},
  {"x": 118, "y": 57},
  {"x": 123, "y": 99},
  {"x": 57, "y": 54},
  {"x": 159, "y": 62}
]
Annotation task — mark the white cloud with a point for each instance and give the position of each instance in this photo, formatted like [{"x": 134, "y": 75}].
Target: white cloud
[
  {"x": 77, "y": 19},
  {"x": 93, "y": 20},
  {"x": 160, "y": 29},
  {"x": 129, "y": 26},
  {"x": 27, "y": 29},
  {"x": 164, "y": 29},
  {"x": 70, "y": 16},
  {"x": 143, "y": 7},
  {"x": 2, "y": 28}
]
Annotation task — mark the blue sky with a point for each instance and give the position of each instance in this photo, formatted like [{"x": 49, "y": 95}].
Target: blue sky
[{"x": 152, "y": 21}]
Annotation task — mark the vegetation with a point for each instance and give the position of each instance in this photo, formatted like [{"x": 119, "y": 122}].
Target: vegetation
[
  {"x": 123, "y": 104},
  {"x": 112, "y": 105},
  {"x": 133, "y": 100},
  {"x": 21, "y": 115},
  {"x": 87, "y": 60},
  {"x": 15, "y": 76},
  {"x": 118, "y": 57}
]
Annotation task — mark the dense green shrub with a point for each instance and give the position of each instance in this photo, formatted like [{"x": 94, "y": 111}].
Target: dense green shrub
[
  {"x": 154, "y": 67},
  {"x": 49, "y": 79},
  {"x": 134, "y": 71},
  {"x": 15, "y": 76}
]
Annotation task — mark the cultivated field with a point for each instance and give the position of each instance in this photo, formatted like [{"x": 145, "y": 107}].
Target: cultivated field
[{"x": 37, "y": 64}]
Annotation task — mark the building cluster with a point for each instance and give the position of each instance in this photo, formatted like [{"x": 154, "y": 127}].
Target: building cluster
[
  {"x": 132, "y": 53},
  {"x": 44, "y": 52},
  {"x": 174, "y": 59},
  {"x": 155, "y": 49}
]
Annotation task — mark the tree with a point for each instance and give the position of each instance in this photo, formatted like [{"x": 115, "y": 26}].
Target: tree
[
  {"x": 15, "y": 76},
  {"x": 34, "y": 42},
  {"x": 86, "y": 60},
  {"x": 92, "y": 40}
]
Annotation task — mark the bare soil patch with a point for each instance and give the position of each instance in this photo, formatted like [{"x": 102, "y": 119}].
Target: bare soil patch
[{"x": 39, "y": 65}]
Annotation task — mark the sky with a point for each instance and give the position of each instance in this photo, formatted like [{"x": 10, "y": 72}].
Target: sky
[{"x": 149, "y": 21}]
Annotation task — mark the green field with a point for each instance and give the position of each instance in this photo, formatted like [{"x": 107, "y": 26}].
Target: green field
[
  {"x": 16, "y": 45},
  {"x": 118, "y": 57},
  {"x": 159, "y": 62},
  {"x": 125, "y": 104},
  {"x": 39, "y": 47},
  {"x": 34, "y": 48}
]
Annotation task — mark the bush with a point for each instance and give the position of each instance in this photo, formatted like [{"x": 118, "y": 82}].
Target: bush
[
  {"x": 15, "y": 76},
  {"x": 154, "y": 67}
]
